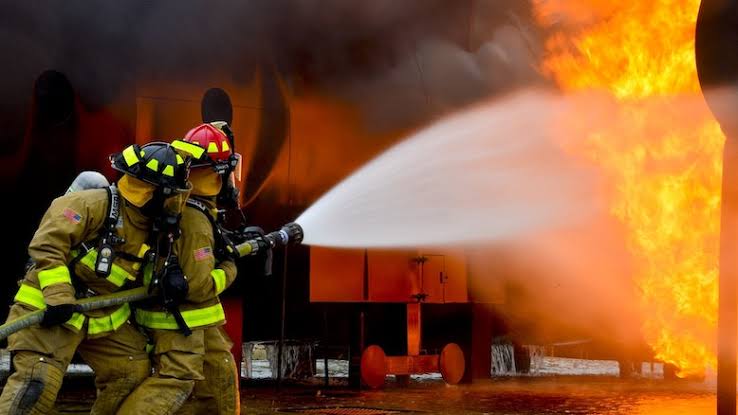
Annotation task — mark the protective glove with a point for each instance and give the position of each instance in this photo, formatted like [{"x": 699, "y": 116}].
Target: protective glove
[
  {"x": 174, "y": 286},
  {"x": 58, "y": 314}
]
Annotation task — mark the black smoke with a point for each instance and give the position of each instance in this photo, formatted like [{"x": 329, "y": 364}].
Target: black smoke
[{"x": 105, "y": 47}]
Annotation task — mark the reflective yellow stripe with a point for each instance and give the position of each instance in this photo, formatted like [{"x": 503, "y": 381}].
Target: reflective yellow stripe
[
  {"x": 130, "y": 157},
  {"x": 53, "y": 276},
  {"x": 153, "y": 164},
  {"x": 89, "y": 259},
  {"x": 180, "y": 160},
  {"x": 141, "y": 253},
  {"x": 168, "y": 171},
  {"x": 35, "y": 298},
  {"x": 225, "y": 146},
  {"x": 220, "y": 280},
  {"x": 30, "y": 296},
  {"x": 163, "y": 320},
  {"x": 213, "y": 148},
  {"x": 192, "y": 149},
  {"x": 99, "y": 325},
  {"x": 77, "y": 321},
  {"x": 110, "y": 322},
  {"x": 118, "y": 275}
]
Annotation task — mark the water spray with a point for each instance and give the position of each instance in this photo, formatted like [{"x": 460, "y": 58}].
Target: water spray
[{"x": 480, "y": 175}]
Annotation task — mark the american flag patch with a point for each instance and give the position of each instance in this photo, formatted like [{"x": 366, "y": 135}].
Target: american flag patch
[
  {"x": 204, "y": 253},
  {"x": 72, "y": 216}
]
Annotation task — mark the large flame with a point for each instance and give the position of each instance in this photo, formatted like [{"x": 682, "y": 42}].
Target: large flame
[{"x": 661, "y": 153}]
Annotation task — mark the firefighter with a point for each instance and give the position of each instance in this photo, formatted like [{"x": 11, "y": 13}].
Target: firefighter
[
  {"x": 194, "y": 369},
  {"x": 88, "y": 243}
]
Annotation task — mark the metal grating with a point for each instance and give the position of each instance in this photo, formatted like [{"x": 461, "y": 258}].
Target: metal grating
[{"x": 343, "y": 410}]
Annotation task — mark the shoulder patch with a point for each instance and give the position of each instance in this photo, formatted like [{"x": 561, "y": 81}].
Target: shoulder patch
[
  {"x": 72, "y": 216},
  {"x": 203, "y": 253}
]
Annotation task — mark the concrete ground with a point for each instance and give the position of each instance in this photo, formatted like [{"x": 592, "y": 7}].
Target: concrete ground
[
  {"x": 552, "y": 390},
  {"x": 536, "y": 395}
]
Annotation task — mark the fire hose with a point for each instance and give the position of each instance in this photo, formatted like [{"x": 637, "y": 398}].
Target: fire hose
[
  {"x": 83, "y": 305},
  {"x": 289, "y": 234}
]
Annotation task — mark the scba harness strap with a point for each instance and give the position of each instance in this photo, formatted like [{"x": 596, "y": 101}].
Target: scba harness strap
[
  {"x": 105, "y": 252},
  {"x": 99, "y": 254},
  {"x": 225, "y": 249}
]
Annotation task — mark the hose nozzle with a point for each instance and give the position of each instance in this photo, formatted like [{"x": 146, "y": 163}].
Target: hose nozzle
[{"x": 290, "y": 234}]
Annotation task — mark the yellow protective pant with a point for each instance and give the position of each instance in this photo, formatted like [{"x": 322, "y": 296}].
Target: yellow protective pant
[
  {"x": 178, "y": 364},
  {"x": 218, "y": 394},
  {"x": 41, "y": 356}
]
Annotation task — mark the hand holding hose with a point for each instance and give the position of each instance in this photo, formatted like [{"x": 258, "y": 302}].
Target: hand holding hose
[{"x": 55, "y": 315}]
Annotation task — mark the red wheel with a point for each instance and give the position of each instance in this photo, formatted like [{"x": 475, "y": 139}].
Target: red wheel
[
  {"x": 373, "y": 366},
  {"x": 452, "y": 363}
]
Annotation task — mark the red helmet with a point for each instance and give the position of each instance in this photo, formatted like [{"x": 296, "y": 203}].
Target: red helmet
[
  {"x": 212, "y": 145},
  {"x": 213, "y": 140},
  {"x": 208, "y": 145}
]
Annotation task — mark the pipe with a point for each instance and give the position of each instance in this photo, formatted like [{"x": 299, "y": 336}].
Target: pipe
[
  {"x": 727, "y": 316},
  {"x": 716, "y": 38}
]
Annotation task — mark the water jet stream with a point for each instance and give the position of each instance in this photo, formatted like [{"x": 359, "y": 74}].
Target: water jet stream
[{"x": 491, "y": 172}]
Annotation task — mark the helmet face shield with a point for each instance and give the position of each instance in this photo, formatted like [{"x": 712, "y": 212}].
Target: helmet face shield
[{"x": 237, "y": 168}]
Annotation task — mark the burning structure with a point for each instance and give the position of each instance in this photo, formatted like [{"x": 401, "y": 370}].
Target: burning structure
[{"x": 311, "y": 104}]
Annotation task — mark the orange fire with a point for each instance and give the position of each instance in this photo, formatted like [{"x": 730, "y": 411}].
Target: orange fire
[{"x": 661, "y": 153}]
